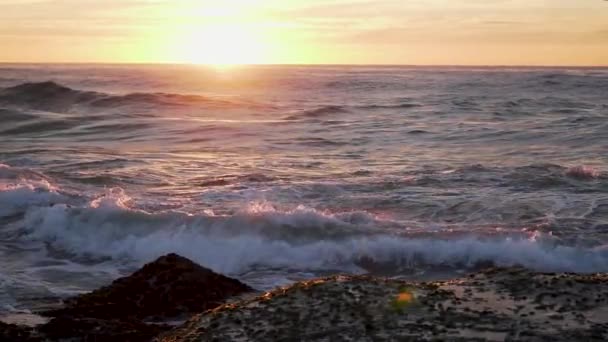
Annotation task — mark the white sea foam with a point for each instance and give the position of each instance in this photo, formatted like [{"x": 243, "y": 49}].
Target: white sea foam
[
  {"x": 19, "y": 191},
  {"x": 583, "y": 172},
  {"x": 304, "y": 240},
  {"x": 261, "y": 236}
]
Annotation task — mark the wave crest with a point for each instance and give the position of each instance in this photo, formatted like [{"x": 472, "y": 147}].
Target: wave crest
[
  {"x": 303, "y": 239},
  {"x": 263, "y": 237},
  {"x": 53, "y": 97},
  {"x": 317, "y": 112},
  {"x": 21, "y": 189},
  {"x": 583, "y": 172}
]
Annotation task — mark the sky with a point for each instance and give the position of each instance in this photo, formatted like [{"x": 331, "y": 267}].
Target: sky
[{"x": 413, "y": 32}]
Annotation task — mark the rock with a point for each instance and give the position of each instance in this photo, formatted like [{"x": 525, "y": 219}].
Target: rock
[
  {"x": 170, "y": 287},
  {"x": 361, "y": 308},
  {"x": 16, "y": 333},
  {"x": 100, "y": 330}
]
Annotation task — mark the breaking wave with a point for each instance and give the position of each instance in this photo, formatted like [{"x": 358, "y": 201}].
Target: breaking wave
[
  {"x": 22, "y": 189},
  {"x": 284, "y": 240},
  {"x": 583, "y": 172},
  {"x": 262, "y": 237}
]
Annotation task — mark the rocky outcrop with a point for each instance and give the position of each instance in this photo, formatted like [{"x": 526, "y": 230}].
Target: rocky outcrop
[
  {"x": 170, "y": 288},
  {"x": 16, "y": 333},
  {"x": 495, "y": 305},
  {"x": 101, "y": 330}
]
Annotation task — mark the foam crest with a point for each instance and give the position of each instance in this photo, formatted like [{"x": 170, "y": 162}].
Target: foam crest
[
  {"x": 21, "y": 189},
  {"x": 583, "y": 172},
  {"x": 240, "y": 243},
  {"x": 305, "y": 216},
  {"x": 114, "y": 198}
]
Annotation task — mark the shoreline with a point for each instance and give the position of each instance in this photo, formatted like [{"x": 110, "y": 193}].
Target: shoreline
[
  {"x": 495, "y": 304},
  {"x": 492, "y": 305}
]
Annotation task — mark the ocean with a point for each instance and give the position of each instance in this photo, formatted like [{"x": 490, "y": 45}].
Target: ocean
[{"x": 273, "y": 174}]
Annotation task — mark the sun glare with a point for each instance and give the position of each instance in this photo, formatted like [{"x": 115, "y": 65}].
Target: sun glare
[{"x": 221, "y": 45}]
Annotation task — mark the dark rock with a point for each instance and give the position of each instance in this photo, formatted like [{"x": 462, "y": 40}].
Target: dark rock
[
  {"x": 16, "y": 333},
  {"x": 170, "y": 287},
  {"x": 100, "y": 330},
  {"x": 368, "y": 311}
]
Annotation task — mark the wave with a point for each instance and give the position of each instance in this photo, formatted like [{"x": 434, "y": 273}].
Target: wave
[
  {"x": 262, "y": 237},
  {"x": 583, "y": 172},
  {"x": 392, "y": 106},
  {"x": 518, "y": 182},
  {"x": 47, "y": 96},
  {"x": 536, "y": 175},
  {"x": 38, "y": 126},
  {"x": 554, "y": 104},
  {"x": 233, "y": 179},
  {"x": 10, "y": 116},
  {"x": 325, "y": 111},
  {"x": 21, "y": 189},
  {"x": 322, "y": 111},
  {"x": 54, "y": 97},
  {"x": 543, "y": 176},
  {"x": 293, "y": 240}
]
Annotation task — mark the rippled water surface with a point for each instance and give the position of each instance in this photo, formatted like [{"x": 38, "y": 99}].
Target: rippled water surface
[{"x": 272, "y": 174}]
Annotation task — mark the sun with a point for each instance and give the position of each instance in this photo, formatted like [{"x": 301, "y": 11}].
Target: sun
[{"x": 221, "y": 45}]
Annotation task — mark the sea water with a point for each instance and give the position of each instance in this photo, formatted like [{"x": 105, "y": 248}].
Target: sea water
[{"x": 272, "y": 174}]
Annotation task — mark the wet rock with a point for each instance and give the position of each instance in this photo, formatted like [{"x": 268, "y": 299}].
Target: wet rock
[
  {"x": 170, "y": 287},
  {"x": 16, "y": 333},
  {"x": 100, "y": 330},
  {"x": 360, "y": 308}
]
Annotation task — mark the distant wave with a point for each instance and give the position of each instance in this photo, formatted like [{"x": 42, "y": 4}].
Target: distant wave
[
  {"x": 528, "y": 177},
  {"x": 583, "y": 172},
  {"x": 570, "y": 77},
  {"x": 38, "y": 126},
  {"x": 7, "y": 115},
  {"x": 392, "y": 106},
  {"x": 233, "y": 179},
  {"x": 326, "y": 111},
  {"x": 319, "y": 112},
  {"x": 47, "y": 96},
  {"x": 54, "y": 97}
]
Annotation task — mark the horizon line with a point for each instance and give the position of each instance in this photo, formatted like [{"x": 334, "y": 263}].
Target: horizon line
[{"x": 311, "y": 64}]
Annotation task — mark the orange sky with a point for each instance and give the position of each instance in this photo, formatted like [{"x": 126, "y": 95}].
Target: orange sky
[{"x": 452, "y": 32}]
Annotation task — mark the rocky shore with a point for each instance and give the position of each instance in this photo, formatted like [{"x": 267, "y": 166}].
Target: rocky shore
[
  {"x": 500, "y": 304},
  {"x": 134, "y": 308}
]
